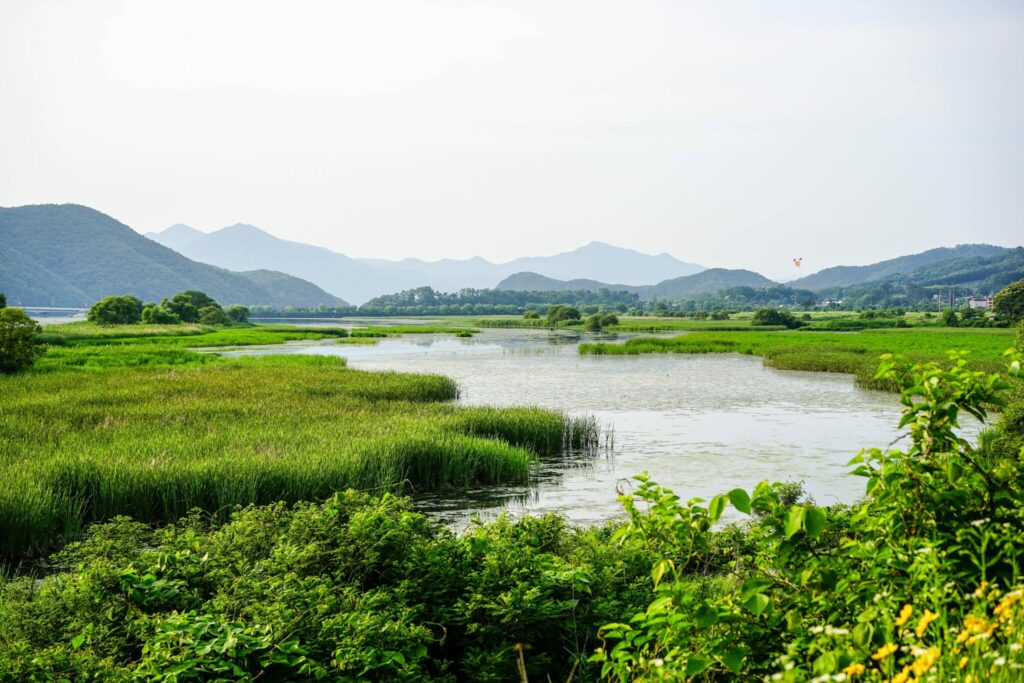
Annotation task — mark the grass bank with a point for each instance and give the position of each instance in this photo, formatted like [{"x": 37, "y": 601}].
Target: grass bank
[
  {"x": 156, "y": 429},
  {"x": 855, "y": 353}
]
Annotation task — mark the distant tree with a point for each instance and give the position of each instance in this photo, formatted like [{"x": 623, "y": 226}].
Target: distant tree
[
  {"x": 720, "y": 315},
  {"x": 212, "y": 315},
  {"x": 155, "y": 314},
  {"x": 593, "y": 323},
  {"x": 186, "y": 305},
  {"x": 116, "y": 310},
  {"x": 1009, "y": 302},
  {"x": 18, "y": 347},
  {"x": 608, "y": 319},
  {"x": 3, "y": 300},
  {"x": 562, "y": 313},
  {"x": 770, "y": 316},
  {"x": 531, "y": 315},
  {"x": 238, "y": 314},
  {"x": 948, "y": 318}
]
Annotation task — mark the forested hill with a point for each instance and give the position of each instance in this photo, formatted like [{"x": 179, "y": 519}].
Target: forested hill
[
  {"x": 705, "y": 282},
  {"x": 842, "y": 276},
  {"x": 71, "y": 255}
]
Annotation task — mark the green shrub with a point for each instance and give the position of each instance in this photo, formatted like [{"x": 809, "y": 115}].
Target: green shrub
[
  {"x": 116, "y": 310},
  {"x": 238, "y": 314},
  {"x": 19, "y": 347},
  {"x": 1009, "y": 302}
]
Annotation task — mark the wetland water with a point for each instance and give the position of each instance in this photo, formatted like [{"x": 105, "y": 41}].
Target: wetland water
[{"x": 700, "y": 424}]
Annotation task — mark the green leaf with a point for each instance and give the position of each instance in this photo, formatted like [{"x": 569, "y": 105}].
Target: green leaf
[
  {"x": 814, "y": 521},
  {"x": 706, "y": 616},
  {"x": 757, "y": 603},
  {"x": 716, "y": 508},
  {"x": 78, "y": 640},
  {"x": 659, "y": 570},
  {"x": 795, "y": 520},
  {"x": 734, "y": 658},
  {"x": 740, "y": 500},
  {"x": 696, "y": 663}
]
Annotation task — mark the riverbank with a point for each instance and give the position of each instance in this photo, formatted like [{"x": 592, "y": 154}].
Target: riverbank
[
  {"x": 147, "y": 426},
  {"x": 855, "y": 353}
]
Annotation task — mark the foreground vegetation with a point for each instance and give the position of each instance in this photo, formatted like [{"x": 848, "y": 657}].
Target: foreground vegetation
[
  {"x": 855, "y": 352},
  {"x": 920, "y": 582},
  {"x": 150, "y": 427}
]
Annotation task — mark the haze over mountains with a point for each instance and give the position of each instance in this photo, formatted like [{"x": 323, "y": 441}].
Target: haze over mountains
[
  {"x": 70, "y": 255},
  {"x": 246, "y": 247}
]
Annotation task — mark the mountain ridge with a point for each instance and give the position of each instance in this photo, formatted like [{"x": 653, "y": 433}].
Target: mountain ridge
[
  {"x": 361, "y": 279},
  {"x": 73, "y": 255}
]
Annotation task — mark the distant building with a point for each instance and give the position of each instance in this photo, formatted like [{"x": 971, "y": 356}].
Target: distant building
[
  {"x": 831, "y": 302},
  {"x": 981, "y": 302}
]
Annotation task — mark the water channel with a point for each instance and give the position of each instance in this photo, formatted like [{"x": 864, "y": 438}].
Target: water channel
[{"x": 700, "y": 424}]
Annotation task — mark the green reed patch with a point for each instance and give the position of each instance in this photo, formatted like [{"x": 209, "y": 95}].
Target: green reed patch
[
  {"x": 856, "y": 353},
  {"x": 155, "y": 442}
]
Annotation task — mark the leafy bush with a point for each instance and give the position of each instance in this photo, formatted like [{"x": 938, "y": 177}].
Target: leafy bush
[
  {"x": 771, "y": 316},
  {"x": 19, "y": 348},
  {"x": 238, "y": 314},
  {"x": 1009, "y": 302},
  {"x": 561, "y": 313},
  {"x": 188, "y": 305},
  {"x": 155, "y": 314},
  {"x": 531, "y": 315},
  {"x": 921, "y": 581},
  {"x": 948, "y": 318},
  {"x": 116, "y": 310},
  {"x": 212, "y": 315}
]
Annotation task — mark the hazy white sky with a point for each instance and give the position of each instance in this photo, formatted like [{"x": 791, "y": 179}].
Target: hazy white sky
[{"x": 734, "y": 134}]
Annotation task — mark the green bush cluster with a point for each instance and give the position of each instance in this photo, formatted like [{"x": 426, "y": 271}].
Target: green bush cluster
[
  {"x": 19, "y": 343},
  {"x": 355, "y": 588}
]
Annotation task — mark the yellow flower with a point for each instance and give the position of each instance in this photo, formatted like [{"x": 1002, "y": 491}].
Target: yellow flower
[
  {"x": 926, "y": 618},
  {"x": 963, "y": 662},
  {"x": 926, "y": 660},
  {"x": 903, "y": 676},
  {"x": 854, "y": 669},
  {"x": 981, "y": 589},
  {"x": 904, "y": 615},
  {"x": 969, "y": 678},
  {"x": 885, "y": 651}
]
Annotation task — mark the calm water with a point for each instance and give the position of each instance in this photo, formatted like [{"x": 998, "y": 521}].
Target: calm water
[{"x": 701, "y": 424}]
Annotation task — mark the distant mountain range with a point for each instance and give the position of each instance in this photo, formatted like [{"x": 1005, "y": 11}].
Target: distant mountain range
[
  {"x": 982, "y": 267},
  {"x": 246, "y": 247},
  {"x": 71, "y": 255},
  {"x": 840, "y": 276}
]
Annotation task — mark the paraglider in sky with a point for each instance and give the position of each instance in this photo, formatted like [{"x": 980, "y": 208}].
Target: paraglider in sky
[{"x": 798, "y": 261}]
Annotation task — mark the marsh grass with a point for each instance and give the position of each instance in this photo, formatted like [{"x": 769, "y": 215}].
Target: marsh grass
[
  {"x": 856, "y": 353},
  {"x": 157, "y": 429}
]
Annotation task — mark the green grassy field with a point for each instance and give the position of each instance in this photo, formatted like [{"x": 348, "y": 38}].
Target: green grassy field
[
  {"x": 157, "y": 429},
  {"x": 849, "y": 352}
]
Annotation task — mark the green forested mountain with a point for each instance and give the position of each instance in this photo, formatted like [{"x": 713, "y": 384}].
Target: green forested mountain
[
  {"x": 842, "y": 276},
  {"x": 535, "y": 282},
  {"x": 71, "y": 255},
  {"x": 705, "y": 282}
]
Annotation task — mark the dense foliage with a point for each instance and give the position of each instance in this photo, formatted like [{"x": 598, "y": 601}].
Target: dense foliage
[
  {"x": 1010, "y": 301},
  {"x": 116, "y": 310},
  {"x": 18, "y": 346},
  {"x": 771, "y": 316}
]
